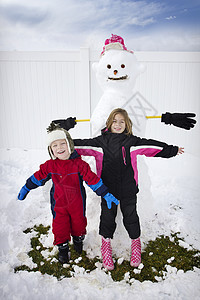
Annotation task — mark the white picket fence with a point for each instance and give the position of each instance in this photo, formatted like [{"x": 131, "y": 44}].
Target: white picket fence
[{"x": 37, "y": 87}]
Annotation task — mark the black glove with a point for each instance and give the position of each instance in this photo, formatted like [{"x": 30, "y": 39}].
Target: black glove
[
  {"x": 181, "y": 120},
  {"x": 66, "y": 123}
]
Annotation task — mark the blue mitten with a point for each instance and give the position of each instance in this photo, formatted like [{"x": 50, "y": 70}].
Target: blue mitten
[
  {"x": 23, "y": 193},
  {"x": 109, "y": 199}
]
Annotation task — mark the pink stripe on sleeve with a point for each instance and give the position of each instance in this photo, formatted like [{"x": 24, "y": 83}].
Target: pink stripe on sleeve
[
  {"x": 142, "y": 150},
  {"x": 97, "y": 155}
]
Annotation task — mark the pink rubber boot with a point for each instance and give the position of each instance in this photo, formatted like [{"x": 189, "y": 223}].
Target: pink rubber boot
[
  {"x": 106, "y": 252},
  {"x": 136, "y": 252}
]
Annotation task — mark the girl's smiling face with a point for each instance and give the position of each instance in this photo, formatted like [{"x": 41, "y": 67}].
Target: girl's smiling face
[
  {"x": 118, "y": 125},
  {"x": 60, "y": 149}
]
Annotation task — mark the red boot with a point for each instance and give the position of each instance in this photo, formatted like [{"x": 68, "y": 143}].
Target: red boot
[
  {"x": 136, "y": 252},
  {"x": 106, "y": 252}
]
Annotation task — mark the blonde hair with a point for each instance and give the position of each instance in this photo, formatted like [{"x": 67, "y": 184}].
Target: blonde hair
[{"x": 123, "y": 112}]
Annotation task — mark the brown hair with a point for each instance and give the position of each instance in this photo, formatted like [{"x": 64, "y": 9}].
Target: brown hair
[{"x": 123, "y": 112}]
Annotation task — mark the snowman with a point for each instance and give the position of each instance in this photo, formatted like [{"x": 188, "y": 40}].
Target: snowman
[{"x": 116, "y": 73}]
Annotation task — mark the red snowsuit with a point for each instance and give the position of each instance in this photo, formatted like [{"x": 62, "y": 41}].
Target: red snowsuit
[{"x": 68, "y": 197}]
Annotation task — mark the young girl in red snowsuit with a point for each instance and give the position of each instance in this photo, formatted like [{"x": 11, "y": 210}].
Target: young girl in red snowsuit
[
  {"x": 68, "y": 198},
  {"x": 116, "y": 153}
]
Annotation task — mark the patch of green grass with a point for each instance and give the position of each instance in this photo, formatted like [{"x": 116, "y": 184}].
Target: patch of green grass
[{"x": 156, "y": 256}]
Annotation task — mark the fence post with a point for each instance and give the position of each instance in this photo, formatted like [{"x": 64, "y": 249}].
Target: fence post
[{"x": 85, "y": 79}]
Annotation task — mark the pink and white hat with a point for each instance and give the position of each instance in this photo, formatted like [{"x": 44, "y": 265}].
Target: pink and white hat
[{"x": 115, "y": 42}]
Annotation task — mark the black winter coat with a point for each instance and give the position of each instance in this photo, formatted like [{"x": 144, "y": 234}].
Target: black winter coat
[{"x": 116, "y": 155}]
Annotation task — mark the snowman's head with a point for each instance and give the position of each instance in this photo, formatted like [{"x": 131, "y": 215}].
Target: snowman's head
[{"x": 117, "y": 67}]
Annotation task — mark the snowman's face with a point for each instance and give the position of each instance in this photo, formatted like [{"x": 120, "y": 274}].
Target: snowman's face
[{"x": 117, "y": 69}]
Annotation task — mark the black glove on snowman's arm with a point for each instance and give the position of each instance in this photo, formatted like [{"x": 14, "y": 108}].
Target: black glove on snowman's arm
[
  {"x": 66, "y": 123},
  {"x": 182, "y": 120}
]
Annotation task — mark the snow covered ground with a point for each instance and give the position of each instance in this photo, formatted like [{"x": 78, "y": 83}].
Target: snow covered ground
[{"x": 171, "y": 204}]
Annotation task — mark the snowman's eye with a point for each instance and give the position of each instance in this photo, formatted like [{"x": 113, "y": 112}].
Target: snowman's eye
[
  {"x": 109, "y": 66},
  {"x": 122, "y": 66}
]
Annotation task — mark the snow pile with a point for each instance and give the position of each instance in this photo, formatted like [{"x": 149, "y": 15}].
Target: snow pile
[{"x": 175, "y": 188}]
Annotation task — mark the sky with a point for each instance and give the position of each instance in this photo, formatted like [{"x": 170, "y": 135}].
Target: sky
[{"x": 60, "y": 25}]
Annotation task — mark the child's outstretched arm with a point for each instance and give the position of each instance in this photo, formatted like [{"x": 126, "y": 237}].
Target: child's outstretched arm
[
  {"x": 23, "y": 193},
  {"x": 109, "y": 199},
  {"x": 180, "y": 150},
  {"x": 101, "y": 190},
  {"x": 27, "y": 187},
  {"x": 153, "y": 148},
  {"x": 32, "y": 182}
]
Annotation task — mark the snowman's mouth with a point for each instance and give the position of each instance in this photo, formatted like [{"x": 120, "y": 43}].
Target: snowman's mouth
[{"x": 118, "y": 78}]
